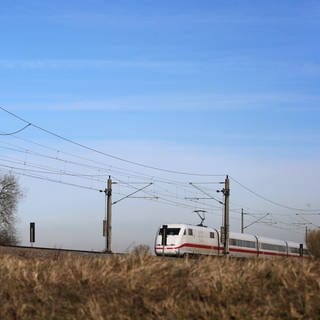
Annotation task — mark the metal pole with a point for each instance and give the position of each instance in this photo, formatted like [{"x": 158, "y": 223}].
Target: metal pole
[
  {"x": 242, "y": 220},
  {"x": 108, "y": 214},
  {"x": 306, "y": 236},
  {"x": 226, "y": 215},
  {"x": 32, "y": 233}
]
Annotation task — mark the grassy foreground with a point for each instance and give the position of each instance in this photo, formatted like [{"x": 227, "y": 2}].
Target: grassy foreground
[{"x": 141, "y": 286}]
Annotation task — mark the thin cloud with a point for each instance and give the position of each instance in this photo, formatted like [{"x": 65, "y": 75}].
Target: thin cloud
[
  {"x": 94, "y": 64},
  {"x": 217, "y": 64},
  {"x": 157, "y": 20},
  {"x": 192, "y": 102}
]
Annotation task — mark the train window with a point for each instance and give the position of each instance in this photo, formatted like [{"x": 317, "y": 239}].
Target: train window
[
  {"x": 242, "y": 243},
  {"x": 171, "y": 231},
  {"x": 294, "y": 250},
  {"x": 185, "y": 232},
  {"x": 273, "y": 247},
  {"x": 251, "y": 244},
  {"x": 267, "y": 246},
  {"x": 212, "y": 235},
  {"x": 190, "y": 232}
]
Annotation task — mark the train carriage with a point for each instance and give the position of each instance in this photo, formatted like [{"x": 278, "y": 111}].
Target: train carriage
[
  {"x": 243, "y": 245},
  {"x": 294, "y": 249},
  {"x": 186, "y": 239},
  {"x": 272, "y": 247},
  {"x": 183, "y": 239}
]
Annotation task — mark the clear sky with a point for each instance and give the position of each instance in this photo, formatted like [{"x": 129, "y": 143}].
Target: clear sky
[{"x": 212, "y": 87}]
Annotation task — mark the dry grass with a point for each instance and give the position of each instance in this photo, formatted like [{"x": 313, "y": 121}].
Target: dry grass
[
  {"x": 313, "y": 242},
  {"x": 140, "y": 286}
]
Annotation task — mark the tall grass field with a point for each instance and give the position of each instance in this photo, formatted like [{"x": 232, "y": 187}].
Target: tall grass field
[{"x": 141, "y": 286}]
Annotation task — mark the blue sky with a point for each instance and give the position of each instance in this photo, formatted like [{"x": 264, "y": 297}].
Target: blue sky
[{"x": 197, "y": 86}]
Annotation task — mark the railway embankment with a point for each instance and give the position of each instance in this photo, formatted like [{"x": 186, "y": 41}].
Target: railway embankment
[{"x": 38, "y": 252}]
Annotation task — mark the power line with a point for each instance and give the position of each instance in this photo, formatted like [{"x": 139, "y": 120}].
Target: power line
[
  {"x": 110, "y": 167},
  {"x": 12, "y": 133},
  {"x": 49, "y": 179},
  {"x": 209, "y": 195},
  {"x": 132, "y": 193},
  {"x": 164, "y": 197},
  {"x": 160, "y": 195},
  {"x": 104, "y": 153},
  {"x": 271, "y": 201},
  {"x": 40, "y": 169},
  {"x": 29, "y": 152},
  {"x": 48, "y": 170}
]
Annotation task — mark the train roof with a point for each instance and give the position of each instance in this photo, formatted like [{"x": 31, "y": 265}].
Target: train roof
[
  {"x": 240, "y": 236},
  {"x": 185, "y": 225},
  {"x": 170, "y": 225},
  {"x": 294, "y": 244},
  {"x": 271, "y": 241}
]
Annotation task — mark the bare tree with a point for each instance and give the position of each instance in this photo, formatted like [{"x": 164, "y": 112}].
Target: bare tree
[{"x": 10, "y": 194}]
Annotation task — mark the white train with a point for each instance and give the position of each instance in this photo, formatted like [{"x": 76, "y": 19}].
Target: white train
[{"x": 185, "y": 239}]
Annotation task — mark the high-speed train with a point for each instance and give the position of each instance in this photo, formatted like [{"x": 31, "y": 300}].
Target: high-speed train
[{"x": 186, "y": 239}]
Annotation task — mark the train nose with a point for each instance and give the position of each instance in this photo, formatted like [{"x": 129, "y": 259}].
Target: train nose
[{"x": 168, "y": 250}]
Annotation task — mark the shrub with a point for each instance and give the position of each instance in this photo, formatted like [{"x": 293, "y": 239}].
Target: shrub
[
  {"x": 141, "y": 249},
  {"x": 313, "y": 242}
]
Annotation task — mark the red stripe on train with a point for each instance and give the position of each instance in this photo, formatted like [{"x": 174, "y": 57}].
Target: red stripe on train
[{"x": 206, "y": 247}]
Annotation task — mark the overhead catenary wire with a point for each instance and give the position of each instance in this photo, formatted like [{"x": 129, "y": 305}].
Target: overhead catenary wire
[
  {"x": 271, "y": 201},
  {"x": 100, "y": 166},
  {"x": 209, "y": 195},
  {"x": 104, "y": 153},
  {"x": 58, "y": 158},
  {"x": 49, "y": 179},
  {"x": 47, "y": 170},
  {"x": 169, "y": 199},
  {"x": 165, "y": 197},
  {"x": 15, "y": 132},
  {"x": 159, "y": 199},
  {"x": 97, "y": 164},
  {"x": 32, "y": 174}
]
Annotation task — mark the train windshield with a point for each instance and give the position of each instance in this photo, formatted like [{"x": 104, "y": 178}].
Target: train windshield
[{"x": 170, "y": 231}]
